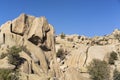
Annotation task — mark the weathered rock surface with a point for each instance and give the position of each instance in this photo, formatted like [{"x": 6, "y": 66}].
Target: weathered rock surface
[
  {"x": 36, "y": 37},
  {"x": 39, "y": 50},
  {"x": 81, "y": 50},
  {"x": 73, "y": 74}
]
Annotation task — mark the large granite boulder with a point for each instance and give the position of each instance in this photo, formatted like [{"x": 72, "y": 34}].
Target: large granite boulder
[{"x": 36, "y": 37}]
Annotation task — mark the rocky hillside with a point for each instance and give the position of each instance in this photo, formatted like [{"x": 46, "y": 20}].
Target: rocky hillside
[
  {"x": 78, "y": 51},
  {"x": 43, "y": 56}
]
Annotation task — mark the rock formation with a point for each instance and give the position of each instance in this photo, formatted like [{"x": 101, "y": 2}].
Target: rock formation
[
  {"x": 40, "y": 50},
  {"x": 80, "y": 51},
  {"x": 36, "y": 36}
]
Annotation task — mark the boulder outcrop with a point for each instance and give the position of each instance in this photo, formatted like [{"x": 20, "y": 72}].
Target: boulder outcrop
[
  {"x": 36, "y": 37},
  {"x": 49, "y": 57},
  {"x": 81, "y": 50}
]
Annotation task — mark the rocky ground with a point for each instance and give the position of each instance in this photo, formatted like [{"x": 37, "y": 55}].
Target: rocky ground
[{"x": 50, "y": 57}]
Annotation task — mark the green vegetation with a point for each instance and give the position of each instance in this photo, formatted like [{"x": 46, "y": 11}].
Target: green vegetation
[
  {"x": 79, "y": 37},
  {"x": 7, "y": 74},
  {"x": 61, "y": 54},
  {"x": 70, "y": 39},
  {"x": 99, "y": 70},
  {"x": 113, "y": 57},
  {"x": 117, "y": 36},
  {"x": 116, "y": 75},
  {"x": 14, "y": 57},
  {"x": 62, "y": 35}
]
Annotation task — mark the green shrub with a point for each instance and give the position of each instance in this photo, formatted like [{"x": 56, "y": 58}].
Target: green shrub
[
  {"x": 70, "y": 39},
  {"x": 62, "y": 35},
  {"x": 79, "y": 37},
  {"x": 99, "y": 70},
  {"x": 14, "y": 57},
  {"x": 5, "y": 74},
  {"x": 116, "y": 75},
  {"x": 113, "y": 57},
  {"x": 61, "y": 53},
  {"x": 8, "y": 74},
  {"x": 117, "y": 36}
]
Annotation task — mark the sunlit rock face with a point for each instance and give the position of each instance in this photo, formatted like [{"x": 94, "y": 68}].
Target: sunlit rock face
[
  {"x": 36, "y": 36},
  {"x": 40, "y": 49},
  {"x": 79, "y": 51}
]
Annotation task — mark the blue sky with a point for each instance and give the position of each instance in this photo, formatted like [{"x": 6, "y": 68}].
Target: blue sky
[{"x": 83, "y": 17}]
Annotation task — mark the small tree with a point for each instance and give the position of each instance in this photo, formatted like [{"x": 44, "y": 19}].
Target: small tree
[
  {"x": 99, "y": 70},
  {"x": 14, "y": 57},
  {"x": 61, "y": 53},
  {"x": 79, "y": 37},
  {"x": 113, "y": 57},
  {"x": 117, "y": 36},
  {"x": 70, "y": 39},
  {"x": 8, "y": 74},
  {"x": 62, "y": 35},
  {"x": 5, "y": 74}
]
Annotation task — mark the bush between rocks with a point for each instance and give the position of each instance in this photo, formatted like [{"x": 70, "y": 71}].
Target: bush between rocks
[{"x": 99, "y": 70}]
